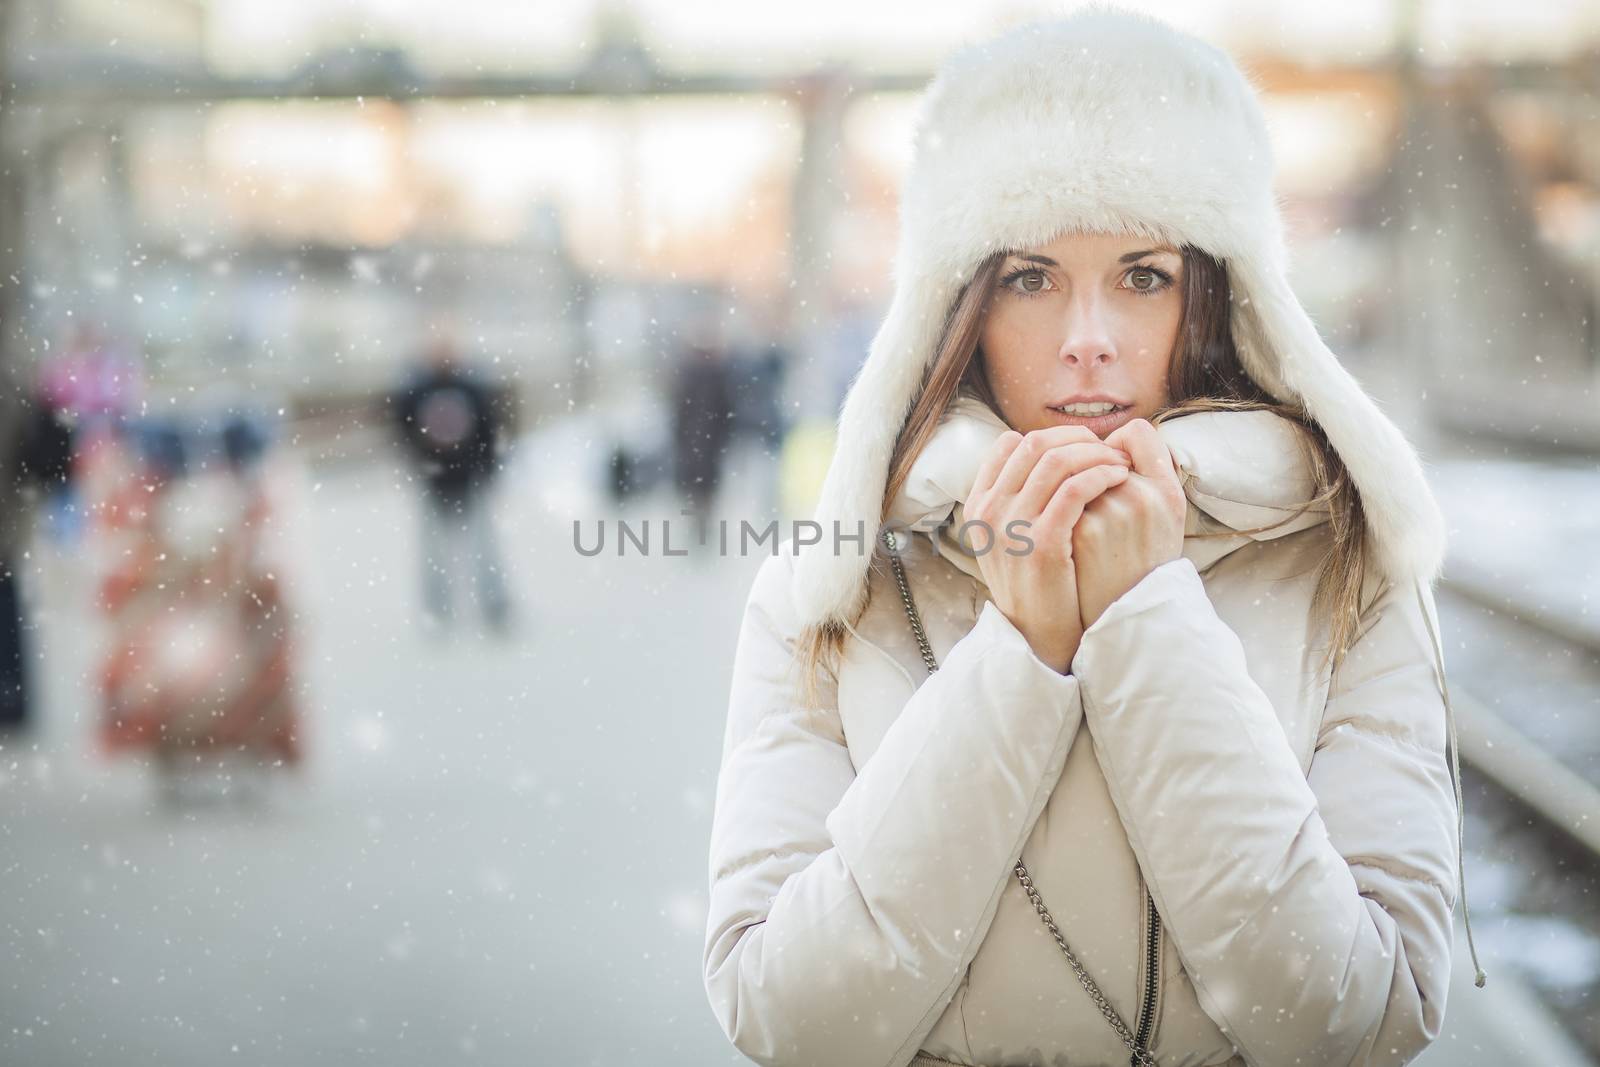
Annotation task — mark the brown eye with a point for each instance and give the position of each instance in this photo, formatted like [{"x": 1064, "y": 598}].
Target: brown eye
[
  {"x": 1033, "y": 274},
  {"x": 1158, "y": 280}
]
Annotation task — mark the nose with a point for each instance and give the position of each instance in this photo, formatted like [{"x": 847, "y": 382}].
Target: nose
[{"x": 1086, "y": 333}]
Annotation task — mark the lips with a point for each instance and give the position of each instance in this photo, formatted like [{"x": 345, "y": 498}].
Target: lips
[
  {"x": 1100, "y": 424},
  {"x": 1101, "y": 399}
]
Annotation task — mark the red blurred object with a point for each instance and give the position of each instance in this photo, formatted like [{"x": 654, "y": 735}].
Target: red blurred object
[{"x": 199, "y": 657}]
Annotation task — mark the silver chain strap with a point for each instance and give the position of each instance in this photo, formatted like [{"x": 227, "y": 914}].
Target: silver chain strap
[{"x": 1139, "y": 1057}]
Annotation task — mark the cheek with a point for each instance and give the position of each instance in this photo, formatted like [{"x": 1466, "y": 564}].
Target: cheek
[
  {"x": 1147, "y": 329},
  {"x": 1006, "y": 349},
  {"x": 1015, "y": 338},
  {"x": 998, "y": 335},
  {"x": 1015, "y": 360},
  {"x": 1147, "y": 337}
]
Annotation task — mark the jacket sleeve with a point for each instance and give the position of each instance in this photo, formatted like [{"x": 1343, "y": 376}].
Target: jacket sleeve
[
  {"x": 1312, "y": 912},
  {"x": 845, "y": 905}
]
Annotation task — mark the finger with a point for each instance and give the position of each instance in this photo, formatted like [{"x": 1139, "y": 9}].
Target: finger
[
  {"x": 994, "y": 459},
  {"x": 1016, "y": 469},
  {"x": 1149, "y": 452},
  {"x": 1059, "y": 464},
  {"x": 1068, "y": 501}
]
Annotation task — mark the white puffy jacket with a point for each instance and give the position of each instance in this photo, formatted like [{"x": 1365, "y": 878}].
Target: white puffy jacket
[{"x": 1297, "y": 832}]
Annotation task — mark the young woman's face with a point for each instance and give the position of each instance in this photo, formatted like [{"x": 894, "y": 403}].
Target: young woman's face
[{"x": 1085, "y": 318}]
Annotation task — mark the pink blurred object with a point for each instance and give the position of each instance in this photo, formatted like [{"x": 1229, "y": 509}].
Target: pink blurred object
[{"x": 90, "y": 378}]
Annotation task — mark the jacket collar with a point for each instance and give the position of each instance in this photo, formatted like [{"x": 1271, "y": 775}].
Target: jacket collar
[{"x": 1241, "y": 470}]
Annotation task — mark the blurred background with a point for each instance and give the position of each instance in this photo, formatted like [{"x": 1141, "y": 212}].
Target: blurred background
[{"x": 322, "y": 322}]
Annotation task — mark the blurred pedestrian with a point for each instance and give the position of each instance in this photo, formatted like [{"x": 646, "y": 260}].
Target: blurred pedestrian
[
  {"x": 758, "y": 415},
  {"x": 14, "y": 686},
  {"x": 702, "y": 408},
  {"x": 35, "y": 462},
  {"x": 639, "y": 458},
  {"x": 87, "y": 392},
  {"x": 452, "y": 427}
]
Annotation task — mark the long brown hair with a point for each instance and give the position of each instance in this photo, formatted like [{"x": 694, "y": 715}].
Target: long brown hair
[{"x": 1204, "y": 374}]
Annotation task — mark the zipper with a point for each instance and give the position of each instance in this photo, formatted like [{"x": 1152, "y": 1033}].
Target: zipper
[{"x": 1152, "y": 971}]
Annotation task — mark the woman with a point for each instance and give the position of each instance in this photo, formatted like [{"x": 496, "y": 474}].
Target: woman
[{"x": 1171, "y": 786}]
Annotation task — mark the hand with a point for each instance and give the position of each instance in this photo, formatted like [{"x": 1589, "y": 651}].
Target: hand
[
  {"x": 1129, "y": 530},
  {"x": 1029, "y": 492}
]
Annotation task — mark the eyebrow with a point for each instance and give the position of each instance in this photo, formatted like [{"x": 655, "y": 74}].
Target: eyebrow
[{"x": 1031, "y": 257}]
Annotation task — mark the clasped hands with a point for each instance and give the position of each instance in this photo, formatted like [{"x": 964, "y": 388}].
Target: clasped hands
[{"x": 1073, "y": 523}]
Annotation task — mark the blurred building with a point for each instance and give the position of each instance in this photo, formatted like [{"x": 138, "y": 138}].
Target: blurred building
[{"x": 292, "y": 200}]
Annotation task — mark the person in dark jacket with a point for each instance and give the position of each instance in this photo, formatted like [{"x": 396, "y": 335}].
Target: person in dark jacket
[
  {"x": 758, "y": 415},
  {"x": 451, "y": 426},
  {"x": 15, "y": 423},
  {"x": 702, "y": 410}
]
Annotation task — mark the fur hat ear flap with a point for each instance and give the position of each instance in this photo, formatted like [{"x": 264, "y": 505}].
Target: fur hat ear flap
[
  {"x": 1405, "y": 526},
  {"x": 830, "y": 576}
]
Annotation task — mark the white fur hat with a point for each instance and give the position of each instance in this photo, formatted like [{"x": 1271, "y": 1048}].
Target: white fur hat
[{"x": 1104, "y": 120}]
